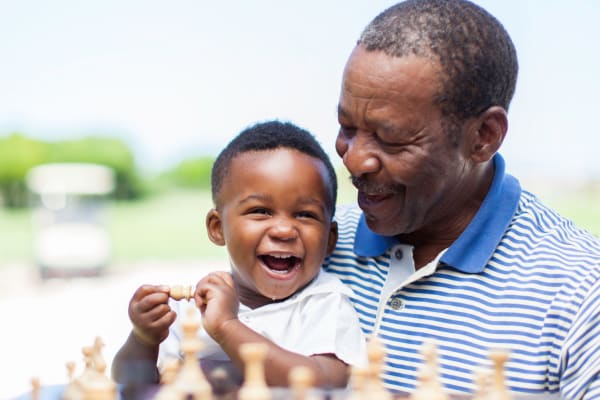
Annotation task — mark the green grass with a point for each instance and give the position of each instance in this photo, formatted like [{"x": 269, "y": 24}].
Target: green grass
[
  {"x": 15, "y": 235},
  {"x": 166, "y": 227},
  {"x": 170, "y": 227}
]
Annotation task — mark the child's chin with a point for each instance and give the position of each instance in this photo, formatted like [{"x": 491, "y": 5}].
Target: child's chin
[{"x": 279, "y": 296}]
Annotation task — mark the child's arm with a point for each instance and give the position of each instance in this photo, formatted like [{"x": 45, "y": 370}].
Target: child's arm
[
  {"x": 151, "y": 316},
  {"x": 217, "y": 299}
]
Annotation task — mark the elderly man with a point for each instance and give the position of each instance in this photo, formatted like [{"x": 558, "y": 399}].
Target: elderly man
[{"x": 445, "y": 245}]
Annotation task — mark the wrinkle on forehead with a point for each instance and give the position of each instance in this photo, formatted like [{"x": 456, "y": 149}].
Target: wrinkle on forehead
[
  {"x": 374, "y": 81},
  {"x": 376, "y": 68}
]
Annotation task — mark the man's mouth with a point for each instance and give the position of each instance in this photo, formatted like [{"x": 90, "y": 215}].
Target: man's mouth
[
  {"x": 366, "y": 200},
  {"x": 280, "y": 264}
]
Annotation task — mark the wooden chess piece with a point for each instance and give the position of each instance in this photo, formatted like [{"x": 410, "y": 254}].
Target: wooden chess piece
[
  {"x": 430, "y": 357},
  {"x": 191, "y": 380},
  {"x": 97, "y": 358},
  {"x": 374, "y": 384},
  {"x": 498, "y": 388},
  {"x": 481, "y": 378},
  {"x": 428, "y": 385},
  {"x": 96, "y": 385},
  {"x": 35, "y": 388},
  {"x": 301, "y": 380},
  {"x": 71, "y": 391},
  {"x": 357, "y": 384},
  {"x": 254, "y": 386},
  {"x": 178, "y": 292},
  {"x": 224, "y": 386},
  {"x": 168, "y": 391}
]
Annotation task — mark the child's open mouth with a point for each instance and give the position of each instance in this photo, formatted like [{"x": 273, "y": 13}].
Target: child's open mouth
[{"x": 280, "y": 264}]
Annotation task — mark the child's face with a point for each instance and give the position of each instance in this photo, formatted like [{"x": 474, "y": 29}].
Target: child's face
[{"x": 273, "y": 216}]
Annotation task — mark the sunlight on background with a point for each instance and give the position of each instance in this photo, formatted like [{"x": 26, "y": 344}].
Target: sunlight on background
[{"x": 155, "y": 89}]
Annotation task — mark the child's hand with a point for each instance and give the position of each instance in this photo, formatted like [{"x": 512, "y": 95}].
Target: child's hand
[
  {"x": 150, "y": 314},
  {"x": 217, "y": 299}
]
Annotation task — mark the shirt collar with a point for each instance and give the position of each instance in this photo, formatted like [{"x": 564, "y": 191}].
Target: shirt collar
[{"x": 475, "y": 246}]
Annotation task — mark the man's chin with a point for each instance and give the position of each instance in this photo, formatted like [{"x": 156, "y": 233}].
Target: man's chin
[{"x": 377, "y": 224}]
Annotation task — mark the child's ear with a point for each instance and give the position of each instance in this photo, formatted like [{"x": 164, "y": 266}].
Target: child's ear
[
  {"x": 214, "y": 227},
  {"x": 333, "y": 237}
]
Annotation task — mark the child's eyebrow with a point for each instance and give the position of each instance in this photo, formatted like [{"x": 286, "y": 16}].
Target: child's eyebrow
[
  {"x": 310, "y": 200},
  {"x": 256, "y": 196},
  {"x": 267, "y": 197}
]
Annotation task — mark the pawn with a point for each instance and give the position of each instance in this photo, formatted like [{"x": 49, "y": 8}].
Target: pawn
[
  {"x": 178, "y": 292},
  {"x": 498, "y": 389},
  {"x": 429, "y": 352},
  {"x": 301, "y": 380},
  {"x": 374, "y": 384},
  {"x": 72, "y": 390},
  {"x": 35, "y": 388},
  {"x": 427, "y": 388},
  {"x": 224, "y": 386},
  {"x": 358, "y": 380},
  {"x": 481, "y": 378},
  {"x": 255, "y": 385},
  {"x": 168, "y": 391}
]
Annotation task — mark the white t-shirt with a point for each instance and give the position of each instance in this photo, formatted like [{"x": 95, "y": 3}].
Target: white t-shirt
[{"x": 318, "y": 320}]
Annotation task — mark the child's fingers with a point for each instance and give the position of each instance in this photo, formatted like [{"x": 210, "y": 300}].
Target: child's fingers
[{"x": 225, "y": 277}]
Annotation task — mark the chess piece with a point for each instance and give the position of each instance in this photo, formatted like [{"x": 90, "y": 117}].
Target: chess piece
[
  {"x": 168, "y": 391},
  {"x": 191, "y": 380},
  {"x": 97, "y": 358},
  {"x": 358, "y": 380},
  {"x": 374, "y": 384},
  {"x": 481, "y": 378},
  {"x": 254, "y": 386},
  {"x": 428, "y": 385},
  {"x": 178, "y": 292},
  {"x": 71, "y": 391},
  {"x": 430, "y": 357},
  {"x": 95, "y": 384},
  {"x": 498, "y": 389},
  {"x": 35, "y": 388},
  {"x": 301, "y": 380},
  {"x": 225, "y": 381}
]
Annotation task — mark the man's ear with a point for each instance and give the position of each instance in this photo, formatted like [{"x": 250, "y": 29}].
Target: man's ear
[
  {"x": 214, "y": 227},
  {"x": 488, "y": 133},
  {"x": 333, "y": 237}
]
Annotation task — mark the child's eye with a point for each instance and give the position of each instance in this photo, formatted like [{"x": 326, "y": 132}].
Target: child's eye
[
  {"x": 307, "y": 214},
  {"x": 259, "y": 210}
]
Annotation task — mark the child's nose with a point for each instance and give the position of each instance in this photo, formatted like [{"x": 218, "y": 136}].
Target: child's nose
[{"x": 283, "y": 230}]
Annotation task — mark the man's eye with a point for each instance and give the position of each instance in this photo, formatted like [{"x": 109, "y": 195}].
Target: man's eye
[{"x": 347, "y": 131}]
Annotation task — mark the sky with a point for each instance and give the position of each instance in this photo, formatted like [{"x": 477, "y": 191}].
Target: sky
[{"x": 179, "y": 79}]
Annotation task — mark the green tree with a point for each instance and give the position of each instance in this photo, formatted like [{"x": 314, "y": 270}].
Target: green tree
[{"x": 18, "y": 154}]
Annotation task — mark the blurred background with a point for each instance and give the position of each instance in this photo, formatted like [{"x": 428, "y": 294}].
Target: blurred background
[{"x": 133, "y": 100}]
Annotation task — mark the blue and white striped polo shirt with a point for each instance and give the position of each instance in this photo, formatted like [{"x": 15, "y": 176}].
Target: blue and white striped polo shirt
[{"x": 520, "y": 277}]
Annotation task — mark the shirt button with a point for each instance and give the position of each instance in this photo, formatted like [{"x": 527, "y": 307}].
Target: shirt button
[
  {"x": 397, "y": 304},
  {"x": 398, "y": 254}
]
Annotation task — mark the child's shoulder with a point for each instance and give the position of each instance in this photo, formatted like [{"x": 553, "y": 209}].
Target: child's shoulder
[{"x": 326, "y": 282}]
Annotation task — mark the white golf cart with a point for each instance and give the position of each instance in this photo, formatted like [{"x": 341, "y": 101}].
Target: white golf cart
[{"x": 70, "y": 236}]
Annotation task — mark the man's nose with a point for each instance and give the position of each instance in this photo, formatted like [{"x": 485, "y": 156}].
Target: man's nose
[{"x": 358, "y": 154}]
